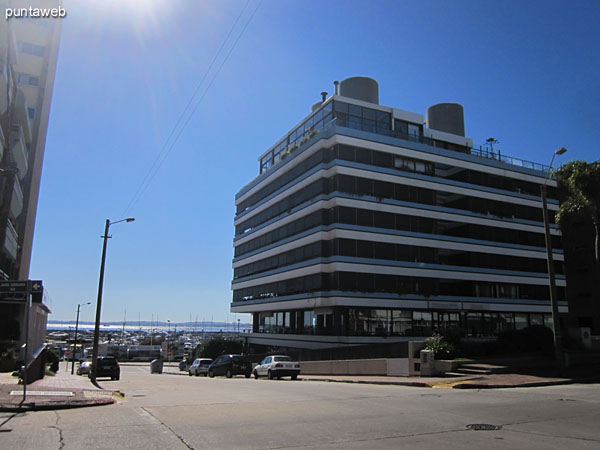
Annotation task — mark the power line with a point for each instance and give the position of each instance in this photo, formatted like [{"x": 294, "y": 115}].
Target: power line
[{"x": 167, "y": 149}]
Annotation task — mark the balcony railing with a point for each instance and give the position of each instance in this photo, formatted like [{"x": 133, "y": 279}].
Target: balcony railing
[
  {"x": 19, "y": 149},
  {"x": 10, "y": 242},
  {"x": 16, "y": 203}
]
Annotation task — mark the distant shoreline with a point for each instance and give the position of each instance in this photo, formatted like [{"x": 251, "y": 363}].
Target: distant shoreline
[{"x": 147, "y": 327}]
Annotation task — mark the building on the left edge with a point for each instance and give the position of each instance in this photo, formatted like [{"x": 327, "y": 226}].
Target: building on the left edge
[{"x": 28, "y": 56}]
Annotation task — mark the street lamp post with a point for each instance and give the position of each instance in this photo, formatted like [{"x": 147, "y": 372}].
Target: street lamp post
[
  {"x": 99, "y": 301},
  {"x": 79, "y": 305},
  {"x": 551, "y": 276}
]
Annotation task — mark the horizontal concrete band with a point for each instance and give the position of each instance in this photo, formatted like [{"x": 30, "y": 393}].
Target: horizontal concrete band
[
  {"x": 387, "y": 303},
  {"x": 446, "y": 273},
  {"x": 449, "y": 244}
]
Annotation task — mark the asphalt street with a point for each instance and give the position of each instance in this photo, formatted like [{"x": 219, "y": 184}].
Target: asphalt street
[{"x": 180, "y": 412}]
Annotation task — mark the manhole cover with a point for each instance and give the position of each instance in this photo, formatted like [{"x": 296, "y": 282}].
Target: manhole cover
[{"x": 483, "y": 427}]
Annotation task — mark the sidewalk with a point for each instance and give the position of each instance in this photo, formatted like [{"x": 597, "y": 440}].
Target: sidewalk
[
  {"x": 494, "y": 381},
  {"x": 58, "y": 392}
]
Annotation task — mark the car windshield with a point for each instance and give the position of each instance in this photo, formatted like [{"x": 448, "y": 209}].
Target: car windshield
[{"x": 281, "y": 358}]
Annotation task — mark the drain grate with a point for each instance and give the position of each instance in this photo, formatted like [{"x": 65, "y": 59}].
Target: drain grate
[{"x": 483, "y": 427}]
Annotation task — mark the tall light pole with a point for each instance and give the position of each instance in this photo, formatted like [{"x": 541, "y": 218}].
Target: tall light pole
[
  {"x": 79, "y": 305},
  {"x": 553, "y": 296},
  {"x": 99, "y": 302}
]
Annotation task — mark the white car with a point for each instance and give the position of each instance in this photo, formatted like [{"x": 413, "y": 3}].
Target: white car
[
  {"x": 277, "y": 366},
  {"x": 199, "y": 367}
]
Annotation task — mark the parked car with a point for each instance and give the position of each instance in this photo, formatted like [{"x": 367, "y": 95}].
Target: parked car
[
  {"x": 200, "y": 367},
  {"x": 277, "y": 366},
  {"x": 108, "y": 366},
  {"x": 230, "y": 365},
  {"x": 84, "y": 368}
]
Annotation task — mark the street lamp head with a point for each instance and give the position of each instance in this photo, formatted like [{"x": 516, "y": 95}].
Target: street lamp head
[
  {"x": 560, "y": 151},
  {"x": 131, "y": 219}
]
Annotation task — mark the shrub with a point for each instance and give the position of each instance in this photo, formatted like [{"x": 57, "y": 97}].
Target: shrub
[
  {"x": 441, "y": 348},
  {"x": 218, "y": 346}
]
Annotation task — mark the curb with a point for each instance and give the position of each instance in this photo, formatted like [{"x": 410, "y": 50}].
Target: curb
[
  {"x": 381, "y": 383},
  {"x": 52, "y": 406}
]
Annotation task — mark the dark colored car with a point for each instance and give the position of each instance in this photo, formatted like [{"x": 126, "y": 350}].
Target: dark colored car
[
  {"x": 230, "y": 365},
  {"x": 108, "y": 366}
]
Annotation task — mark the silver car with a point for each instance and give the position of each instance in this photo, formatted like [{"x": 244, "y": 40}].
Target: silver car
[
  {"x": 199, "y": 367},
  {"x": 84, "y": 368}
]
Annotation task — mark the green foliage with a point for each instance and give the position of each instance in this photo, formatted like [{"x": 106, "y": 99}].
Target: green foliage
[
  {"x": 10, "y": 353},
  {"x": 582, "y": 182},
  {"x": 218, "y": 346},
  {"x": 440, "y": 346},
  {"x": 52, "y": 355},
  {"x": 8, "y": 360}
]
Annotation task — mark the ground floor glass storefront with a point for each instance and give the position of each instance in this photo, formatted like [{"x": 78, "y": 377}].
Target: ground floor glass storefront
[{"x": 394, "y": 322}]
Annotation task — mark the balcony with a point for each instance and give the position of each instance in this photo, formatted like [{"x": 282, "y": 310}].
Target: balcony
[
  {"x": 7, "y": 79},
  {"x": 22, "y": 117},
  {"x": 2, "y": 141},
  {"x": 10, "y": 242},
  {"x": 16, "y": 203},
  {"x": 19, "y": 149}
]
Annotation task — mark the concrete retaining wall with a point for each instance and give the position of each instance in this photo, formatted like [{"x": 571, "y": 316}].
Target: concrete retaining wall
[{"x": 381, "y": 367}]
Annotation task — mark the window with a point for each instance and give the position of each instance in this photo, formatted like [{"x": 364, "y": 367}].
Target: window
[
  {"x": 28, "y": 80},
  {"x": 31, "y": 49}
]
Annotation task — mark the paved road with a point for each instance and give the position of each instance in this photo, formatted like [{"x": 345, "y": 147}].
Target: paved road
[{"x": 180, "y": 412}]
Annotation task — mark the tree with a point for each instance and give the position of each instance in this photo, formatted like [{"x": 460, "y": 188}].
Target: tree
[
  {"x": 582, "y": 181},
  {"x": 218, "y": 346}
]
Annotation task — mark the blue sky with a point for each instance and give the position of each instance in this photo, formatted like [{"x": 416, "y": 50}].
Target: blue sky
[{"x": 525, "y": 72}]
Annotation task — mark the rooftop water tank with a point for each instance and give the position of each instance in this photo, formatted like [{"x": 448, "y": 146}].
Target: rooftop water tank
[
  {"x": 447, "y": 117},
  {"x": 360, "y": 88}
]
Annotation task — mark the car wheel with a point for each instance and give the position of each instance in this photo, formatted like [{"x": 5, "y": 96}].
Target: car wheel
[
  {"x": 294, "y": 377},
  {"x": 256, "y": 374},
  {"x": 196, "y": 373},
  {"x": 117, "y": 377},
  {"x": 270, "y": 375},
  {"x": 190, "y": 373},
  {"x": 211, "y": 374},
  {"x": 228, "y": 373}
]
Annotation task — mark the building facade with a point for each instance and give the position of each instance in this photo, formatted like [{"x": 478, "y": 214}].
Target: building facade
[
  {"x": 370, "y": 224},
  {"x": 28, "y": 55}
]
